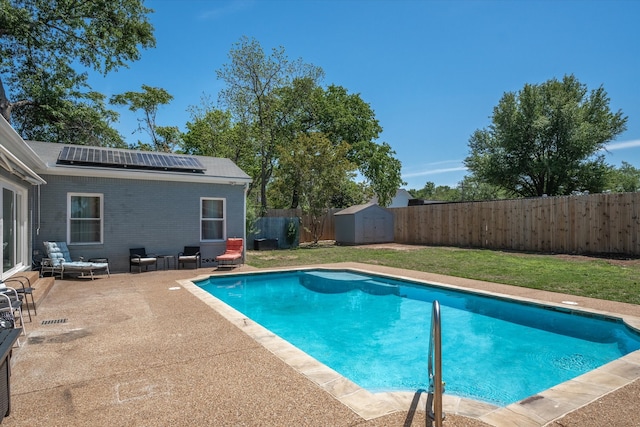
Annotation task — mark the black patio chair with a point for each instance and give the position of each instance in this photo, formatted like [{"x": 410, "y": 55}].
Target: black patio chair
[
  {"x": 140, "y": 257},
  {"x": 190, "y": 255}
]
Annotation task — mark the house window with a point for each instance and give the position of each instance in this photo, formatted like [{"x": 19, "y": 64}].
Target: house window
[
  {"x": 85, "y": 218},
  {"x": 213, "y": 219}
]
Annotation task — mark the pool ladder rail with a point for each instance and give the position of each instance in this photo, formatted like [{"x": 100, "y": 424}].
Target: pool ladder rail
[{"x": 436, "y": 385}]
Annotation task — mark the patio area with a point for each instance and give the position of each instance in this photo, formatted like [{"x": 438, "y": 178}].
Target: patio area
[{"x": 145, "y": 350}]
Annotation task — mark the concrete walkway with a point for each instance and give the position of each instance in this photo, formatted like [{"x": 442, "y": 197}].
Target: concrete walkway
[{"x": 147, "y": 350}]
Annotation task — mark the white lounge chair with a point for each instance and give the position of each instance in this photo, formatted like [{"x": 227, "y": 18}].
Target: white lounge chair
[{"x": 59, "y": 260}]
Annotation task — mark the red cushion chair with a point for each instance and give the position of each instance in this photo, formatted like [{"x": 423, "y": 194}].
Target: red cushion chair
[{"x": 233, "y": 252}]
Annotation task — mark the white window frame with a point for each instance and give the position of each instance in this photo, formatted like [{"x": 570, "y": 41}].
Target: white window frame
[
  {"x": 19, "y": 226},
  {"x": 100, "y": 196},
  {"x": 223, "y": 219}
]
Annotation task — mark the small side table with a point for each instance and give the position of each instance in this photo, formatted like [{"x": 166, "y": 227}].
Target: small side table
[{"x": 166, "y": 259}]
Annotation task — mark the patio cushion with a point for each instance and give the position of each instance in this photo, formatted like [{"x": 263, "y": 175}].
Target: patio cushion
[
  {"x": 86, "y": 266},
  {"x": 135, "y": 260},
  {"x": 58, "y": 252}
]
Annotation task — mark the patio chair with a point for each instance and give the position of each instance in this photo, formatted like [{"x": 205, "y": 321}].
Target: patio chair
[
  {"x": 140, "y": 257},
  {"x": 11, "y": 308},
  {"x": 232, "y": 253},
  {"x": 190, "y": 255},
  {"x": 59, "y": 260},
  {"x": 23, "y": 291}
]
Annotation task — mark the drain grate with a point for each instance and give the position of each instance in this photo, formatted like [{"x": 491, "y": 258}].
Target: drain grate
[{"x": 53, "y": 322}]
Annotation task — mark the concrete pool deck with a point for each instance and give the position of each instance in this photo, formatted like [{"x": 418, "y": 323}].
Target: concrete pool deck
[{"x": 148, "y": 350}]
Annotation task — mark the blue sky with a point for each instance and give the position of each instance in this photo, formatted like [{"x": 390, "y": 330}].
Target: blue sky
[{"x": 431, "y": 70}]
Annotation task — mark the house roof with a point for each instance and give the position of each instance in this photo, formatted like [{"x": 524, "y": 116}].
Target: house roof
[
  {"x": 214, "y": 169},
  {"x": 14, "y": 153},
  {"x": 401, "y": 199}
]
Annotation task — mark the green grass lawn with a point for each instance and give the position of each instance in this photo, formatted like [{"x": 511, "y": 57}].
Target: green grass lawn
[{"x": 606, "y": 279}]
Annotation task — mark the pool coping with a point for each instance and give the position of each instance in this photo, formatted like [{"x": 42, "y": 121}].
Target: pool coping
[{"x": 536, "y": 410}]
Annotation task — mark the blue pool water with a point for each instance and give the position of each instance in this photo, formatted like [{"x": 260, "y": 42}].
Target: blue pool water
[{"x": 375, "y": 330}]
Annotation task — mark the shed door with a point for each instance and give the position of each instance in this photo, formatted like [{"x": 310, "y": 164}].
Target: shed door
[{"x": 373, "y": 229}]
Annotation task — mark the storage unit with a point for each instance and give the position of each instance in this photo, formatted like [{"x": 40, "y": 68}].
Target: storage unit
[
  {"x": 265, "y": 244},
  {"x": 363, "y": 224}
]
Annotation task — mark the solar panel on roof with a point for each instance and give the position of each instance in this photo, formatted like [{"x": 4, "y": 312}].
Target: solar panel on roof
[{"x": 110, "y": 157}]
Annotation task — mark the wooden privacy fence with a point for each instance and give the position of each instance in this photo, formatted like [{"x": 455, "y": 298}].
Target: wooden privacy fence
[{"x": 597, "y": 223}]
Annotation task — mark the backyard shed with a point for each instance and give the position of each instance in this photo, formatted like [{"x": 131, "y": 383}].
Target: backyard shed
[{"x": 363, "y": 224}]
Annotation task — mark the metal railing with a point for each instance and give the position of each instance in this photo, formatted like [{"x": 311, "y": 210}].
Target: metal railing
[{"x": 436, "y": 385}]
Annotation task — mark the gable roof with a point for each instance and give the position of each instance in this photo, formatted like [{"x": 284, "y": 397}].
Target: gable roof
[{"x": 213, "y": 169}]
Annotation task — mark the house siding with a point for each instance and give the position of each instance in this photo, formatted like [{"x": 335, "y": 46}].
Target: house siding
[{"x": 161, "y": 216}]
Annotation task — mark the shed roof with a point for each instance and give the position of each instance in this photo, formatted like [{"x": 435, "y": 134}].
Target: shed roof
[
  {"x": 357, "y": 208},
  {"x": 216, "y": 169}
]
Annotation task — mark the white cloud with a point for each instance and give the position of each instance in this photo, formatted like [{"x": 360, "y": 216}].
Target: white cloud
[
  {"x": 623, "y": 145},
  {"x": 434, "y": 172}
]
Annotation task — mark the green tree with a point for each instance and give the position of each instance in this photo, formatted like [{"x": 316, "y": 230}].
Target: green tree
[
  {"x": 44, "y": 46},
  {"x": 470, "y": 189},
  {"x": 342, "y": 118},
  {"x": 296, "y": 114},
  {"x": 252, "y": 80},
  {"x": 382, "y": 170},
  {"x": 85, "y": 122},
  {"x": 626, "y": 178},
  {"x": 163, "y": 138},
  {"x": 209, "y": 133},
  {"x": 321, "y": 169},
  {"x": 212, "y": 132},
  {"x": 545, "y": 139},
  {"x": 347, "y": 118},
  {"x": 447, "y": 194},
  {"x": 351, "y": 193},
  {"x": 426, "y": 192}
]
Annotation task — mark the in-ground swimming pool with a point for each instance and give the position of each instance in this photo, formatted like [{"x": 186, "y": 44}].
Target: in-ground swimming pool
[{"x": 374, "y": 331}]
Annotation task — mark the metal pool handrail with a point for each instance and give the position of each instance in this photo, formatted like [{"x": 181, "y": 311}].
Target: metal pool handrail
[{"x": 436, "y": 386}]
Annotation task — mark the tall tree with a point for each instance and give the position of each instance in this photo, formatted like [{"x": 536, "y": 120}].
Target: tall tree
[
  {"x": 163, "y": 138},
  {"x": 321, "y": 169},
  {"x": 545, "y": 139},
  {"x": 345, "y": 118},
  {"x": 252, "y": 80},
  {"x": 44, "y": 46}
]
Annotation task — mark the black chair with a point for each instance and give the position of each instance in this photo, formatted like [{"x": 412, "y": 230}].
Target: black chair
[
  {"x": 190, "y": 255},
  {"x": 140, "y": 257},
  {"x": 23, "y": 292}
]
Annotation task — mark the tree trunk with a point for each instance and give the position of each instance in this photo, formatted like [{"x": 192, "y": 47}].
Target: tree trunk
[
  {"x": 295, "y": 199},
  {"x": 5, "y": 105},
  {"x": 263, "y": 187}
]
